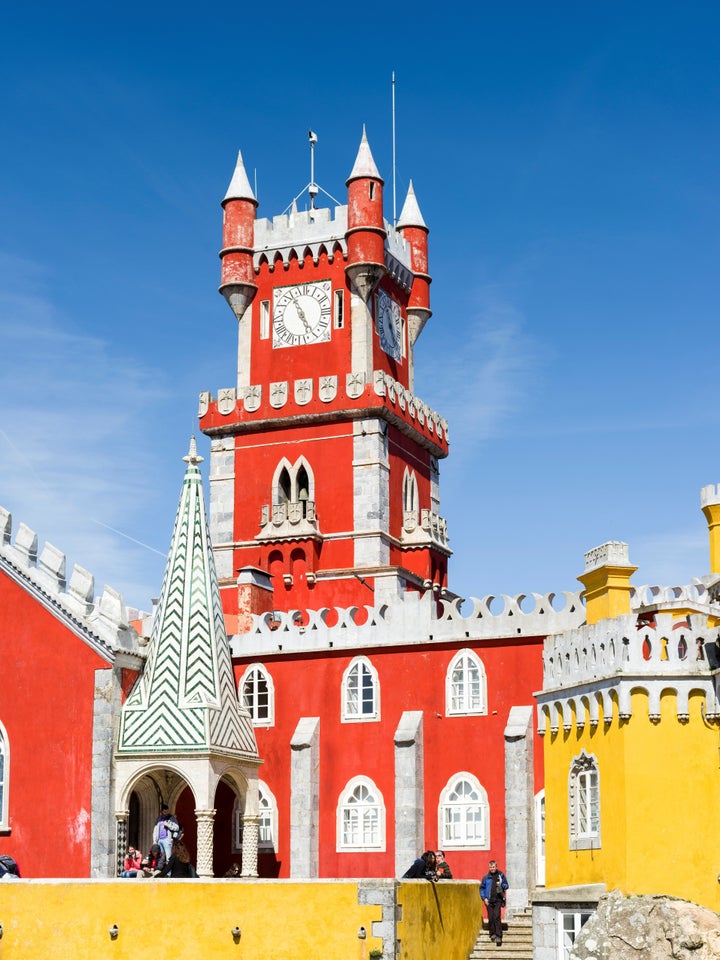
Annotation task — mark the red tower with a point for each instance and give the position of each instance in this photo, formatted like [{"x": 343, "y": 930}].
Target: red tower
[{"x": 324, "y": 463}]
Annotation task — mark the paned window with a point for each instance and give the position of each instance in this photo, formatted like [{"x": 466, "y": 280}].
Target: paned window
[
  {"x": 361, "y": 817},
  {"x": 464, "y": 814},
  {"x": 570, "y": 922},
  {"x": 465, "y": 685},
  {"x": 258, "y": 695},
  {"x": 4, "y": 776},
  {"x": 584, "y": 803},
  {"x": 360, "y": 692},
  {"x": 268, "y": 825}
]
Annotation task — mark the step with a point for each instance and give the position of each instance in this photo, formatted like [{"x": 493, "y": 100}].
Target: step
[{"x": 516, "y": 945}]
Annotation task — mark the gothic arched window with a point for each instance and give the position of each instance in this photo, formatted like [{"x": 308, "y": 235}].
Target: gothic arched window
[
  {"x": 464, "y": 814},
  {"x": 465, "y": 685},
  {"x": 257, "y": 695},
  {"x": 584, "y": 802},
  {"x": 4, "y": 775},
  {"x": 268, "y": 826},
  {"x": 360, "y": 694},
  {"x": 361, "y": 816}
]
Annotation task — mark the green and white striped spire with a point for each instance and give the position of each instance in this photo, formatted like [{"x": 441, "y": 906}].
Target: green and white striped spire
[{"x": 186, "y": 701}]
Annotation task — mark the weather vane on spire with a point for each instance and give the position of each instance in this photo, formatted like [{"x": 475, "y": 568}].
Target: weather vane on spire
[{"x": 312, "y": 188}]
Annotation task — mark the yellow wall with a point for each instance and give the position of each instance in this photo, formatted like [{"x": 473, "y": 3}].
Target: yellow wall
[
  {"x": 440, "y": 921},
  {"x": 659, "y": 797},
  {"x": 191, "y": 919}
]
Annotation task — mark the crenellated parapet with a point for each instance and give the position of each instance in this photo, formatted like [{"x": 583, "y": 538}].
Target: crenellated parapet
[
  {"x": 410, "y": 620},
  {"x": 101, "y": 622},
  {"x": 695, "y": 595},
  {"x": 588, "y": 670},
  {"x": 299, "y": 233}
]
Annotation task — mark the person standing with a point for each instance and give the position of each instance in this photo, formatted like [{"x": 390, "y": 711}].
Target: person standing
[
  {"x": 492, "y": 892},
  {"x": 166, "y": 830},
  {"x": 423, "y": 867},
  {"x": 442, "y": 867}
]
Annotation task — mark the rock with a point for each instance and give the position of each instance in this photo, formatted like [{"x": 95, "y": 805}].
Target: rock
[{"x": 648, "y": 928}]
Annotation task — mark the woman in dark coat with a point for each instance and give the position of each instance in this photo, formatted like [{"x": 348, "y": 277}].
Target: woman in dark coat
[{"x": 179, "y": 864}]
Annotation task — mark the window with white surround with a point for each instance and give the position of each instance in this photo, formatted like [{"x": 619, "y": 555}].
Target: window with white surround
[
  {"x": 360, "y": 816},
  {"x": 584, "y": 802},
  {"x": 570, "y": 923},
  {"x": 257, "y": 695},
  {"x": 268, "y": 826},
  {"x": 464, "y": 814},
  {"x": 339, "y": 309},
  {"x": 540, "y": 837},
  {"x": 4, "y": 776},
  {"x": 465, "y": 685},
  {"x": 360, "y": 692},
  {"x": 264, "y": 319}
]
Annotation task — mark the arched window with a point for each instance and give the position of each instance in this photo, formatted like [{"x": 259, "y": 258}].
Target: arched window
[
  {"x": 410, "y": 491},
  {"x": 284, "y": 487},
  {"x": 4, "y": 776},
  {"x": 257, "y": 695},
  {"x": 465, "y": 685},
  {"x": 361, "y": 816},
  {"x": 584, "y": 802},
  {"x": 464, "y": 814},
  {"x": 360, "y": 692},
  {"x": 268, "y": 826}
]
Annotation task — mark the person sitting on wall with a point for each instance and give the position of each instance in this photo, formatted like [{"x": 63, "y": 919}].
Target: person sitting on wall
[
  {"x": 9, "y": 870},
  {"x": 132, "y": 862},
  {"x": 442, "y": 868},
  {"x": 179, "y": 864},
  {"x": 422, "y": 868},
  {"x": 153, "y": 863}
]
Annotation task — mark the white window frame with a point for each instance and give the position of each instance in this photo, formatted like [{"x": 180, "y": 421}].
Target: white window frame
[
  {"x": 350, "y": 808},
  {"x": 584, "y": 802},
  {"x": 268, "y": 826},
  {"x": 455, "y": 829},
  {"x": 540, "y": 838},
  {"x": 339, "y": 317},
  {"x": 351, "y": 707},
  {"x": 570, "y": 922},
  {"x": 4, "y": 778},
  {"x": 264, "y": 319},
  {"x": 254, "y": 671},
  {"x": 465, "y": 702}
]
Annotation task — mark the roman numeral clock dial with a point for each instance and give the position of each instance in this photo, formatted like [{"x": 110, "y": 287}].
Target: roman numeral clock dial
[{"x": 302, "y": 314}]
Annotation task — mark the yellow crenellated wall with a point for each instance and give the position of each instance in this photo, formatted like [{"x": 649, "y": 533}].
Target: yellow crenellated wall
[
  {"x": 194, "y": 919},
  {"x": 440, "y": 921},
  {"x": 659, "y": 797}
]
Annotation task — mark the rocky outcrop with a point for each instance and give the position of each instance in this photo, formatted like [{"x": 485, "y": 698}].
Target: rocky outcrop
[{"x": 648, "y": 928}]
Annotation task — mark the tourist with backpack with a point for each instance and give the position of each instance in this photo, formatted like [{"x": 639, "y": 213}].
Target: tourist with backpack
[{"x": 167, "y": 828}]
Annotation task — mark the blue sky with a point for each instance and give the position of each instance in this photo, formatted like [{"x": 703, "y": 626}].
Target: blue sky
[{"x": 565, "y": 157}]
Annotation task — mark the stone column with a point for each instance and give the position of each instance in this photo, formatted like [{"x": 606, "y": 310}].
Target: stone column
[
  {"x": 121, "y": 822},
  {"x": 106, "y": 711},
  {"x": 251, "y": 827},
  {"x": 409, "y": 790},
  {"x": 305, "y": 798},
  {"x": 519, "y": 808},
  {"x": 205, "y": 820}
]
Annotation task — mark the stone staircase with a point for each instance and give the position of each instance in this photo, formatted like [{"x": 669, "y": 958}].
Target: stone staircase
[{"x": 517, "y": 940}]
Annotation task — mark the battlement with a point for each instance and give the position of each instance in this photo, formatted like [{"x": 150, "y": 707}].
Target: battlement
[
  {"x": 612, "y": 553},
  {"x": 103, "y": 622},
  {"x": 296, "y": 232},
  {"x": 710, "y": 495},
  {"x": 696, "y": 595},
  {"x": 588, "y": 669},
  {"x": 408, "y": 621}
]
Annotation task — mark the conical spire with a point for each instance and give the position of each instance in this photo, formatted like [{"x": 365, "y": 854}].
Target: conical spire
[
  {"x": 364, "y": 162},
  {"x": 239, "y": 188},
  {"x": 186, "y": 699},
  {"x": 410, "y": 215}
]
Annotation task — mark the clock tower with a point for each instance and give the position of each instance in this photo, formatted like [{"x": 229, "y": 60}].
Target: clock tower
[{"x": 324, "y": 480}]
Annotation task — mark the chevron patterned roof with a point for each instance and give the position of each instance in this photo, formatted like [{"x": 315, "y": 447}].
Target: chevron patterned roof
[{"x": 185, "y": 700}]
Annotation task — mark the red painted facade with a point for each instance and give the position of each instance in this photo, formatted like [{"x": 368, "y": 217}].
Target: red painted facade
[{"x": 46, "y": 707}]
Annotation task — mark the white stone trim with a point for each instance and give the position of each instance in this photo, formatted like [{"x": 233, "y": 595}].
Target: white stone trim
[
  {"x": 344, "y": 805},
  {"x": 258, "y": 669},
  {"x": 469, "y": 658},
  {"x": 445, "y": 841}
]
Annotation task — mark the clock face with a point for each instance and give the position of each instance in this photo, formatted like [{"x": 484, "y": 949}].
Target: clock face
[
  {"x": 389, "y": 325},
  {"x": 301, "y": 314}
]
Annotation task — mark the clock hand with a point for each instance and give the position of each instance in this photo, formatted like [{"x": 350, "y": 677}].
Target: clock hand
[{"x": 301, "y": 314}]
